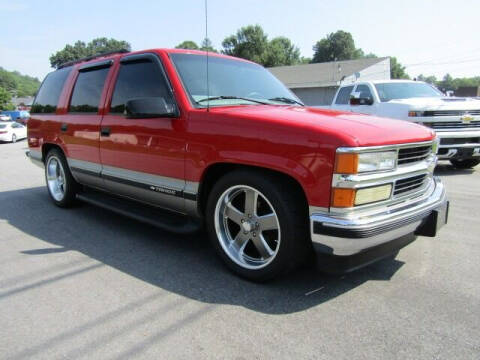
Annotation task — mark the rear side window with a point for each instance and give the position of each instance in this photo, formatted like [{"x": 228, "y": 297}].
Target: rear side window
[
  {"x": 343, "y": 96},
  {"x": 88, "y": 90},
  {"x": 47, "y": 97},
  {"x": 139, "y": 79}
]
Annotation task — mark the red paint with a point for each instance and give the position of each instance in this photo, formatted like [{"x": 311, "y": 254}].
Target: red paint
[{"x": 298, "y": 141}]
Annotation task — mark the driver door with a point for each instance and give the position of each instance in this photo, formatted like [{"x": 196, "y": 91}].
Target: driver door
[{"x": 143, "y": 158}]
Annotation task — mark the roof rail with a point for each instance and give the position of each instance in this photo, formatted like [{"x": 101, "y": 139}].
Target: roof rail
[{"x": 91, "y": 57}]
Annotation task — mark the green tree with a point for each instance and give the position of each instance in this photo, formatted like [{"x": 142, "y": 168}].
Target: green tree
[
  {"x": 281, "y": 51},
  {"x": 336, "y": 46},
  {"x": 397, "y": 70},
  {"x": 250, "y": 42},
  {"x": 80, "y": 50},
  {"x": 5, "y": 100},
  {"x": 18, "y": 84},
  {"x": 207, "y": 46},
  {"x": 187, "y": 44},
  {"x": 447, "y": 83}
]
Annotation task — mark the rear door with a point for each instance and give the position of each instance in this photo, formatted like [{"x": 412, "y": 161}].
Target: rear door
[
  {"x": 80, "y": 128},
  {"x": 143, "y": 158}
]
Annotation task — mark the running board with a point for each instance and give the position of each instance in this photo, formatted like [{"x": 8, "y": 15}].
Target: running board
[{"x": 148, "y": 214}]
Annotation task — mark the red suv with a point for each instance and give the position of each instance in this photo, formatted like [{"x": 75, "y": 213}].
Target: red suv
[{"x": 154, "y": 135}]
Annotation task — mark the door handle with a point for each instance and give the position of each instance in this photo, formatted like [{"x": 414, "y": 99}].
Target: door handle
[
  {"x": 63, "y": 128},
  {"x": 105, "y": 131}
]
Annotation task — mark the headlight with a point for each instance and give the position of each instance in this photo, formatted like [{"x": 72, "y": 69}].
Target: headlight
[
  {"x": 343, "y": 197},
  {"x": 373, "y": 194},
  {"x": 347, "y": 163}
]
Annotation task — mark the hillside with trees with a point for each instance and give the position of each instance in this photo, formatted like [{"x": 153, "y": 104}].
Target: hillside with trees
[{"x": 12, "y": 83}]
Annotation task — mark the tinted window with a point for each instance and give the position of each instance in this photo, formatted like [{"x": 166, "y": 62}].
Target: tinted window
[
  {"x": 137, "y": 80},
  {"x": 364, "y": 91},
  {"x": 229, "y": 77},
  {"x": 343, "y": 96},
  {"x": 87, "y": 91},
  {"x": 3, "y": 126},
  {"x": 47, "y": 98}
]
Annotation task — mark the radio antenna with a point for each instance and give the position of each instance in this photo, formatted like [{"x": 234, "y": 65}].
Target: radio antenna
[{"x": 206, "y": 37}]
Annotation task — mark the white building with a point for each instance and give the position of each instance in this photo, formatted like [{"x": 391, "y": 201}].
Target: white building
[{"x": 316, "y": 84}]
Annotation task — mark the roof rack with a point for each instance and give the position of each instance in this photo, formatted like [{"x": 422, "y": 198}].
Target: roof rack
[{"x": 91, "y": 57}]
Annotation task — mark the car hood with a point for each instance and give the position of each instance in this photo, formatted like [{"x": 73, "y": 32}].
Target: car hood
[
  {"x": 439, "y": 103},
  {"x": 351, "y": 129}
]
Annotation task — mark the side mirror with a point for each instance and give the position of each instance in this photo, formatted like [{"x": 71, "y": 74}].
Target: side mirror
[
  {"x": 361, "y": 101},
  {"x": 149, "y": 107}
]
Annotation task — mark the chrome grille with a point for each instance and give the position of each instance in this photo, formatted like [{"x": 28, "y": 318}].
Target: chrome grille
[
  {"x": 413, "y": 154},
  {"x": 408, "y": 185},
  {"x": 453, "y": 125},
  {"x": 451, "y": 112}
]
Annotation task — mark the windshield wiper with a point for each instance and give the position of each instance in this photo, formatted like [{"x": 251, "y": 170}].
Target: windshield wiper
[
  {"x": 230, "y": 97},
  {"x": 286, "y": 100}
]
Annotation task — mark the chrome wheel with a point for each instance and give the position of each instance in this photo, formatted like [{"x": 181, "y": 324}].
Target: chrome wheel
[
  {"x": 247, "y": 227},
  {"x": 55, "y": 178}
]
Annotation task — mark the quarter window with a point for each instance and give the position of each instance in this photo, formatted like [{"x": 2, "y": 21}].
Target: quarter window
[
  {"x": 47, "y": 97},
  {"x": 88, "y": 90},
  {"x": 139, "y": 79},
  {"x": 343, "y": 96}
]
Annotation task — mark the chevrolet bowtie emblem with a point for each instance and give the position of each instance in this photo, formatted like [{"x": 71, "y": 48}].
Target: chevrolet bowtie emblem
[{"x": 466, "y": 118}]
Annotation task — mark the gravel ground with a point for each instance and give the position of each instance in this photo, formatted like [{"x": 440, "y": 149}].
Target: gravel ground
[{"x": 86, "y": 283}]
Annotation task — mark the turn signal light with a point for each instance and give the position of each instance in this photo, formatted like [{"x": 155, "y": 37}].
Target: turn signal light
[
  {"x": 346, "y": 163},
  {"x": 342, "y": 198}
]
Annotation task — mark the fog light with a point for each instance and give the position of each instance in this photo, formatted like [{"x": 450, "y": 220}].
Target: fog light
[{"x": 373, "y": 194}]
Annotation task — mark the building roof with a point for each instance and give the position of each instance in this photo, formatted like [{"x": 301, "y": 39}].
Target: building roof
[{"x": 321, "y": 74}]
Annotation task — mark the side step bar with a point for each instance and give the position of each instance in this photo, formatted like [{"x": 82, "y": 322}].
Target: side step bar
[{"x": 145, "y": 213}]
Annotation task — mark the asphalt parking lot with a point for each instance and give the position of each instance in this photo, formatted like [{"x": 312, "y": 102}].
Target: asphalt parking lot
[{"x": 87, "y": 283}]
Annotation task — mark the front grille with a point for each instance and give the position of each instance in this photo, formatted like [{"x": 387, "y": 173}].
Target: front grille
[
  {"x": 459, "y": 141},
  {"x": 408, "y": 185},
  {"x": 451, "y": 112},
  {"x": 413, "y": 154},
  {"x": 453, "y": 125}
]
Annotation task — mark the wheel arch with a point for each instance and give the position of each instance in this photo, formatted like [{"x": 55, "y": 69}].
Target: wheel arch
[
  {"x": 46, "y": 147},
  {"x": 215, "y": 171}
]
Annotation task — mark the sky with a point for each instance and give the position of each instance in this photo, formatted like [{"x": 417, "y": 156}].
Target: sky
[{"x": 430, "y": 37}]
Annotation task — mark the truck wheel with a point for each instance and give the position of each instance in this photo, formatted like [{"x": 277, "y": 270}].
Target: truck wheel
[
  {"x": 257, "y": 224},
  {"x": 465, "y": 164},
  {"x": 61, "y": 185}
]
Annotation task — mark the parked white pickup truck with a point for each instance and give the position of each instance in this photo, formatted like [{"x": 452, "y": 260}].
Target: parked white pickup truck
[{"x": 455, "y": 120}]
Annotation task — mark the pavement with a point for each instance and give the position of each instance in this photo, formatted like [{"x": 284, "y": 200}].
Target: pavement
[{"x": 85, "y": 283}]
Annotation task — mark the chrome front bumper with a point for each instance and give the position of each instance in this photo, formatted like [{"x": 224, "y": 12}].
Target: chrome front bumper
[
  {"x": 451, "y": 151},
  {"x": 345, "y": 236}
]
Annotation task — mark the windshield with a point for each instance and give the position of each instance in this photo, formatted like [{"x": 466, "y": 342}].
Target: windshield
[
  {"x": 405, "y": 90},
  {"x": 231, "y": 82}
]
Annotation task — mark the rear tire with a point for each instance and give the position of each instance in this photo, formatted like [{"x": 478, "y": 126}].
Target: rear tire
[
  {"x": 61, "y": 185},
  {"x": 257, "y": 224},
  {"x": 465, "y": 164}
]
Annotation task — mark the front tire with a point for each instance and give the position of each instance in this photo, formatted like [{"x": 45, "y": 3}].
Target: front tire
[
  {"x": 257, "y": 223},
  {"x": 465, "y": 164},
  {"x": 61, "y": 185}
]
